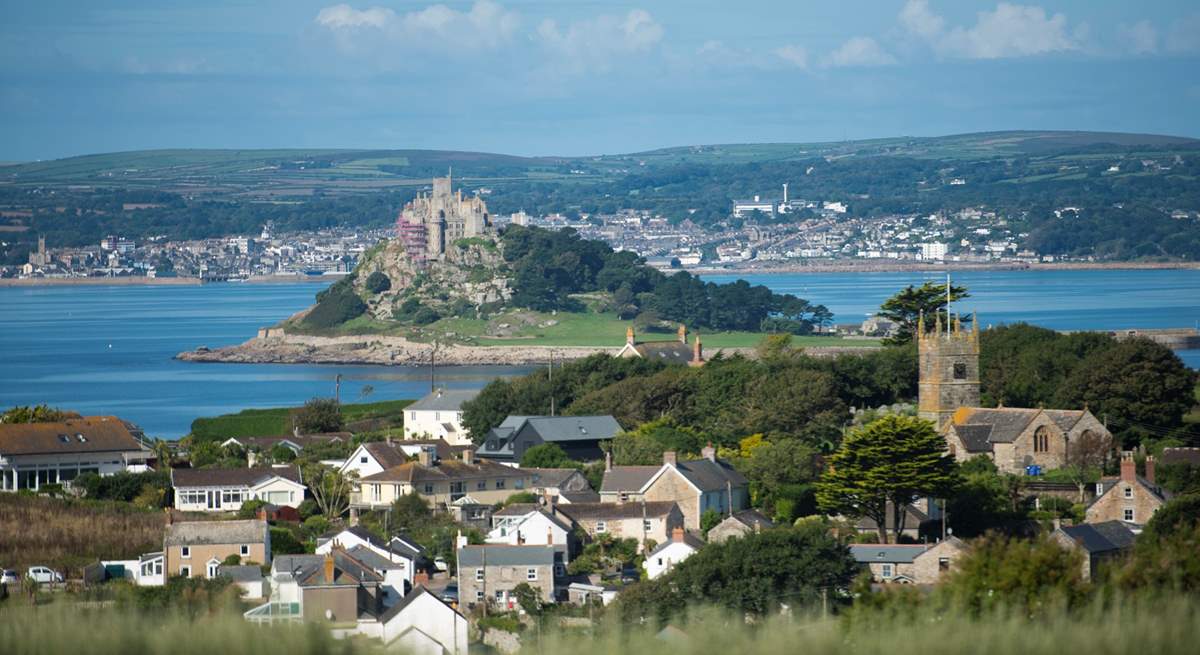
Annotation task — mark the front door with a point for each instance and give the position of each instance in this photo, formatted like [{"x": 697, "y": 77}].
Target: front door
[{"x": 214, "y": 499}]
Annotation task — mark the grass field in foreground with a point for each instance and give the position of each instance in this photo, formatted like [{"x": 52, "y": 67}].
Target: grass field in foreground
[{"x": 276, "y": 421}]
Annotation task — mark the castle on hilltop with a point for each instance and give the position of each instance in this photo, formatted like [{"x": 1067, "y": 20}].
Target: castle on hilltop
[
  {"x": 1013, "y": 438},
  {"x": 431, "y": 221}
]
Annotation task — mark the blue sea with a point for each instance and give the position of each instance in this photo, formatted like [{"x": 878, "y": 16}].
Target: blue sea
[{"x": 108, "y": 350}]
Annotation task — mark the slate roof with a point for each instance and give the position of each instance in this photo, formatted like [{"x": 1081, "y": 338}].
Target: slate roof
[
  {"x": 199, "y": 533},
  {"x": 1006, "y": 423},
  {"x": 710, "y": 475},
  {"x": 751, "y": 518},
  {"x": 388, "y": 455},
  {"x": 373, "y": 559},
  {"x": 408, "y": 600},
  {"x": 303, "y": 441},
  {"x": 90, "y": 434},
  {"x": 885, "y": 553},
  {"x": 550, "y": 429},
  {"x": 627, "y": 478},
  {"x": 445, "y": 470},
  {"x": 1180, "y": 456},
  {"x": 1065, "y": 419},
  {"x": 444, "y": 400},
  {"x": 690, "y": 539},
  {"x": 516, "y": 509},
  {"x": 346, "y": 570},
  {"x": 667, "y": 351},
  {"x": 248, "y": 477},
  {"x": 504, "y": 555},
  {"x": 615, "y": 511},
  {"x": 575, "y": 497},
  {"x": 543, "y": 477},
  {"x": 975, "y": 437},
  {"x": 1097, "y": 538},
  {"x": 241, "y": 573},
  {"x": 398, "y": 546}
]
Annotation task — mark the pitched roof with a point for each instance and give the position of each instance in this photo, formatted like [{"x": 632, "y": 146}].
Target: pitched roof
[
  {"x": 913, "y": 518},
  {"x": 199, "y": 533},
  {"x": 445, "y": 470},
  {"x": 516, "y": 509},
  {"x": 627, "y": 478},
  {"x": 615, "y": 511},
  {"x": 347, "y": 570},
  {"x": 398, "y": 546},
  {"x": 574, "y": 497},
  {"x": 751, "y": 518},
  {"x": 710, "y": 475},
  {"x": 248, "y": 477},
  {"x": 303, "y": 440},
  {"x": 1006, "y": 423},
  {"x": 885, "y": 553},
  {"x": 543, "y": 477},
  {"x": 550, "y": 429},
  {"x": 445, "y": 400},
  {"x": 387, "y": 454},
  {"x": 373, "y": 559},
  {"x": 1105, "y": 537},
  {"x": 504, "y": 555},
  {"x": 412, "y": 596},
  {"x": 89, "y": 434},
  {"x": 1065, "y": 419},
  {"x": 667, "y": 351},
  {"x": 689, "y": 539},
  {"x": 241, "y": 573},
  {"x": 1180, "y": 456},
  {"x": 975, "y": 438}
]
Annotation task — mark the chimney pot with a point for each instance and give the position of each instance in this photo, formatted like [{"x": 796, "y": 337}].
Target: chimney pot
[
  {"x": 709, "y": 453},
  {"x": 682, "y": 333},
  {"x": 425, "y": 456},
  {"x": 1128, "y": 467},
  {"x": 670, "y": 458},
  {"x": 468, "y": 457}
]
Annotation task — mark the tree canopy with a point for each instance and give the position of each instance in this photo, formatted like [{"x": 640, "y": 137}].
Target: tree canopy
[{"x": 910, "y": 303}]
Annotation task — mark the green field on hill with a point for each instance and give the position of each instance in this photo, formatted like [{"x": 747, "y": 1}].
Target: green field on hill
[{"x": 277, "y": 421}]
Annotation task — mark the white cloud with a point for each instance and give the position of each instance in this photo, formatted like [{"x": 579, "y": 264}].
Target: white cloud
[
  {"x": 794, "y": 55},
  {"x": 1184, "y": 36},
  {"x": 858, "y": 51},
  {"x": 1139, "y": 38},
  {"x": 1008, "y": 31},
  {"x": 485, "y": 25},
  {"x": 593, "y": 43}
]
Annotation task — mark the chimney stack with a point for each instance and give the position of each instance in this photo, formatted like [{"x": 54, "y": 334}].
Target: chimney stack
[
  {"x": 697, "y": 351},
  {"x": 1150, "y": 469},
  {"x": 669, "y": 458},
  {"x": 682, "y": 333},
  {"x": 1128, "y": 467},
  {"x": 709, "y": 453},
  {"x": 468, "y": 456},
  {"x": 251, "y": 458},
  {"x": 629, "y": 336},
  {"x": 262, "y": 513},
  {"x": 677, "y": 535},
  {"x": 425, "y": 455},
  {"x": 329, "y": 567},
  {"x": 607, "y": 461}
]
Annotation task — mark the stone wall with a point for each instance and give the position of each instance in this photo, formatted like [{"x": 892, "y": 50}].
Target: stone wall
[{"x": 672, "y": 486}]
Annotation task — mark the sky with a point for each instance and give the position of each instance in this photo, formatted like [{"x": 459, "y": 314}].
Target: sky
[{"x": 579, "y": 77}]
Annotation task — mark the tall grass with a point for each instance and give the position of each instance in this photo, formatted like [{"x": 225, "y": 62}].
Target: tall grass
[
  {"x": 277, "y": 421},
  {"x": 72, "y": 533}
]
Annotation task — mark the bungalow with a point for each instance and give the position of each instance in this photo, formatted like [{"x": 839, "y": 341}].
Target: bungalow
[
  {"x": 440, "y": 482},
  {"x": 696, "y": 486},
  {"x": 739, "y": 524},
  {"x": 438, "y": 415},
  {"x": 648, "y": 521},
  {"x": 377, "y": 456},
  {"x": 146, "y": 571},
  {"x": 1097, "y": 542},
  {"x": 489, "y": 573},
  {"x": 585, "y": 593},
  {"x": 681, "y": 546},
  {"x": 579, "y": 436},
  {"x": 33, "y": 455},
  {"x": 397, "y": 560},
  {"x": 196, "y": 549},
  {"x": 1131, "y": 498},
  {"x": 295, "y": 443},
  {"x": 909, "y": 564},
  {"x": 225, "y": 490}
]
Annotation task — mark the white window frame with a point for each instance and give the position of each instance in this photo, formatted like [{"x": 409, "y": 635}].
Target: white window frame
[
  {"x": 211, "y": 568},
  {"x": 1129, "y": 492},
  {"x": 500, "y": 483},
  {"x": 601, "y": 527},
  {"x": 244, "y": 551},
  {"x": 531, "y": 574},
  {"x": 185, "y": 570},
  {"x": 887, "y": 571},
  {"x": 478, "y": 596},
  {"x": 478, "y": 575},
  {"x": 646, "y": 525},
  {"x": 185, "y": 552},
  {"x": 1129, "y": 515}
]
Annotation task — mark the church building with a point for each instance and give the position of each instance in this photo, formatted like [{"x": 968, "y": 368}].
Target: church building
[{"x": 1014, "y": 438}]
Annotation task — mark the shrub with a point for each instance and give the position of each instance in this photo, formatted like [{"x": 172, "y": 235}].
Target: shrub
[
  {"x": 378, "y": 282},
  {"x": 335, "y": 306},
  {"x": 283, "y": 542},
  {"x": 319, "y": 415},
  {"x": 308, "y": 509},
  {"x": 249, "y": 509}
]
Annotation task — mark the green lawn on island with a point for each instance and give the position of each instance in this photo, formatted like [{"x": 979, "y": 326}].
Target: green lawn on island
[{"x": 277, "y": 420}]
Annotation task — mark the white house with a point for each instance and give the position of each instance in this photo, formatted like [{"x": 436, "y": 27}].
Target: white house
[
  {"x": 146, "y": 571},
  {"x": 528, "y": 526},
  {"x": 396, "y": 560},
  {"x": 439, "y": 416},
  {"x": 224, "y": 490},
  {"x": 33, "y": 455},
  {"x": 662, "y": 559},
  {"x": 422, "y": 624}
]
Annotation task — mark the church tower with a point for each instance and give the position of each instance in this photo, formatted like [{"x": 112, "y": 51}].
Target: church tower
[{"x": 948, "y": 359}]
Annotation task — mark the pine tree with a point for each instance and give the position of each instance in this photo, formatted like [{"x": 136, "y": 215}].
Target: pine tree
[{"x": 892, "y": 460}]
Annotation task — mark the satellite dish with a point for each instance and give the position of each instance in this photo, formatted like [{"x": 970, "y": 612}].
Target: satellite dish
[
  {"x": 329, "y": 614},
  {"x": 950, "y": 531}
]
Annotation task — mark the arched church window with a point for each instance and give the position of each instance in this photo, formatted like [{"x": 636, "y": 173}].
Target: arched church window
[{"x": 1041, "y": 440}]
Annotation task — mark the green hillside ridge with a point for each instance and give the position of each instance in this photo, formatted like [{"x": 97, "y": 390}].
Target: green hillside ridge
[{"x": 276, "y": 421}]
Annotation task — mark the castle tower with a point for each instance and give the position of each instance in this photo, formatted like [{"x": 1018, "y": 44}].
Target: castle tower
[{"x": 948, "y": 361}]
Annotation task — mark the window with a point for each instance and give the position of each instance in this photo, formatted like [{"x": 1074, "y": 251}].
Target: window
[
  {"x": 481, "y": 485},
  {"x": 531, "y": 574},
  {"x": 943, "y": 563},
  {"x": 960, "y": 370},
  {"x": 622, "y": 496},
  {"x": 646, "y": 525},
  {"x": 185, "y": 551},
  {"x": 479, "y": 596},
  {"x": 887, "y": 571},
  {"x": 499, "y": 596},
  {"x": 362, "y": 460},
  {"x": 158, "y": 567},
  {"x": 499, "y": 484},
  {"x": 660, "y": 561},
  {"x": 478, "y": 575},
  {"x": 601, "y": 526},
  {"x": 429, "y": 489},
  {"x": 185, "y": 571},
  {"x": 1041, "y": 440},
  {"x": 437, "y": 416},
  {"x": 1129, "y": 515},
  {"x": 412, "y": 415},
  {"x": 211, "y": 571},
  {"x": 1129, "y": 492},
  {"x": 245, "y": 550},
  {"x": 519, "y": 484}
]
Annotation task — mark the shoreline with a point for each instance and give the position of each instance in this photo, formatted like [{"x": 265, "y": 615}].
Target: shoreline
[
  {"x": 398, "y": 351},
  {"x": 898, "y": 267},
  {"x": 159, "y": 281}
]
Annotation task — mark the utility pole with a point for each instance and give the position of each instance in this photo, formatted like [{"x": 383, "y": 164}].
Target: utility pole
[
  {"x": 433, "y": 367},
  {"x": 337, "y": 388},
  {"x": 551, "y": 383}
]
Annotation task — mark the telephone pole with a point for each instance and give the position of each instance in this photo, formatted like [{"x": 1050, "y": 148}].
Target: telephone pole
[
  {"x": 337, "y": 388},
  {"x": 551, "y": 383}
]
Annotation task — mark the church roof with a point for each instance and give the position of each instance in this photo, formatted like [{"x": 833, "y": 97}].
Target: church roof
[
  {"x": 975, "y": 437},
  {"x": 1005, "y": 423}
]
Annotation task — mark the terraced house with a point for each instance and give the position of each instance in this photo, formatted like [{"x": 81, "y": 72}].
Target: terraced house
[
  {"x": 440, "y": 481},
  {"x": 33, "y": 455},
  {"x": 695, "y": 485}
]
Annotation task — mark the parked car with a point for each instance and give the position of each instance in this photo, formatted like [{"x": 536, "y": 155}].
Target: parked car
[
  {"x": 440, "y": 564},
  {"x": 9, "y": 576},
  {"x": 450, "y": 593},
  {"x": 42, "y": 574}
]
